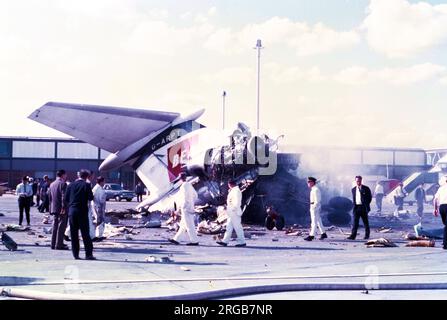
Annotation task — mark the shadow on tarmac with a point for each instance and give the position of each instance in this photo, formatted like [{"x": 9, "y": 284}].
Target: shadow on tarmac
[
  {"x": 166, "y": 263},
  {"x": 17, "y": 281},
  {"x": 272, "y": 248}
]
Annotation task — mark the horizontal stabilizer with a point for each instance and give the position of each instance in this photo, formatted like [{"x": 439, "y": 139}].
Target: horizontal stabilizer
[{"x": 109, "y": 128}]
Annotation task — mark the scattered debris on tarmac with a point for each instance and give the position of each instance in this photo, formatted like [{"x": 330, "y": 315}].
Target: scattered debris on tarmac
[
  {"x": 385, "y": 230},
  {"x": 8, "y": 242},
  {"x": 380, "y": 243},
  {"x": 421, "y": 243},
  {"x": 154, "y": 259},
  {"x": 13, "y": 227}
]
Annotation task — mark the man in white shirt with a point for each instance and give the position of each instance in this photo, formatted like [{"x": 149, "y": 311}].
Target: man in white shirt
[
  {"x": 400, "y": 195},
  {"x": 315, "y": 210},
  {"x": 25, "y": 193},
  {"x": 440, "y": 203},
  {"x": 99, "y": 208},
  {"x": 234, "y": 212},
  {"x": 378, "y": 193},
  {"x": 186, "y": 199}
]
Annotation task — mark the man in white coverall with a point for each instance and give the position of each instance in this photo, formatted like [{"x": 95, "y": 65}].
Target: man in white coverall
[
  {"x": 234, "y": 213},
  {"x": 99, "y": 208},
  {"x": 315, "y": 209},
  {"x": 186, "y": 199}
]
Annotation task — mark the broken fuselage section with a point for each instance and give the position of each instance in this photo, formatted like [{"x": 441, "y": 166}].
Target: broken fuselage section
[{"x": 209, "y": 157}]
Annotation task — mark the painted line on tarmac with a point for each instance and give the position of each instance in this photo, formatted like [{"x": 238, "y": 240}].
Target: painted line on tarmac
[{"x": 71, "y": 281}]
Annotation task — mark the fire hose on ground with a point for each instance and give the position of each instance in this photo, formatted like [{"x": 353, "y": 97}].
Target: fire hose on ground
[{"x": 233, "y": 292}]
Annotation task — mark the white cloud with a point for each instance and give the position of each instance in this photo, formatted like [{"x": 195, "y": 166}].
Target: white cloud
[
  {"x": 280, "y": 74},
  {"x": 394, "y": 76},
  {"x": 414, "y": 74},
  {"x": 159, "y": 37},
  {"x": 212, "y": 11},
  {"x": 186, "y": 15},
  {"x": 158, "y": 14},
  {"x": 303, "y": 38},
  {"x": 233, "y": 75},
  {"x": 357, "y": 75},
  {"x": 397, "y": 28},
  {"x": 200, "y": 18},
  {"x": 181, "y": 100},
  {"x": 353, "y": 75}
]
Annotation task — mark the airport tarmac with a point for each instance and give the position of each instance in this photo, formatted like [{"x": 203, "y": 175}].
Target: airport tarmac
[{"x": 271, "y": 259}]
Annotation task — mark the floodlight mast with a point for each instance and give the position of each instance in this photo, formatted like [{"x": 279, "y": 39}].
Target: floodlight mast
[{"x": 258, "y": 47}]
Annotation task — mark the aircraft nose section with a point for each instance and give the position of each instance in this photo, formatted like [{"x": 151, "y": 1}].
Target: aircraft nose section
[{"x": 110, "y": 163}]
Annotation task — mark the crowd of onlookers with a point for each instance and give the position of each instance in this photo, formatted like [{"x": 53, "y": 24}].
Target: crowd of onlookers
[{"x": 75, "y": 206}]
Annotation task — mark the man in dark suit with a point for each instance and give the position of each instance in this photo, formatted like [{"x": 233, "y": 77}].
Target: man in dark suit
[
  {"x": 361, "y": 196},
  {"x": 78, "y": 196},
  {"x": 56, "y": 194},
  {"x": 139, "y": 191},
  {"x": 43, "y": 191}
]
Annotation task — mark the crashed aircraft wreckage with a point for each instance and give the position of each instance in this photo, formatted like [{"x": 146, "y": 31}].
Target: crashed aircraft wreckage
[{"x": 160, "y": 145}]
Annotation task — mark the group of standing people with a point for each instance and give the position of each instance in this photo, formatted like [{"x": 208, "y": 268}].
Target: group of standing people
[
  {"x": 399, "y": 196},
  {"x": 73, "y": 206},
  {"x": 74, "y": 203},
  {"x": 186, "y": 199},
  {"x": 362, "y": 197}
]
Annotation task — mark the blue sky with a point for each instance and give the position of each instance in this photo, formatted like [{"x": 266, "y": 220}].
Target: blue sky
[{"x": 329, "y": 68}]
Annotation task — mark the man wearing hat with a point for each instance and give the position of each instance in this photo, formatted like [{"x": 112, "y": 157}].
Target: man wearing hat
[
  {"x": 186, "y": 199},
  {"x": 315, "y": 210},
  {"x": 234, "y": 212}
]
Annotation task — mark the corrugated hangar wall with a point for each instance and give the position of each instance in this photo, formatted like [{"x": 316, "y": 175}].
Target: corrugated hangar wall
[{"x": 37, "y": 157}]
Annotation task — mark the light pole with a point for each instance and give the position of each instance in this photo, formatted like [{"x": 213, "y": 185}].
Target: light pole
[
  {"x": 258, "y": 48},
  {"x": 224, "y": 94}
]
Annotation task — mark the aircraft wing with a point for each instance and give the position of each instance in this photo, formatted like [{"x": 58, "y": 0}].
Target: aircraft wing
[{"x": 109, "y": 128}]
